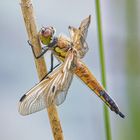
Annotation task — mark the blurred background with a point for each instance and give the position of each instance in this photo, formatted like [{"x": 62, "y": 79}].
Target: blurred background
[{"x": 81, "y": 114}]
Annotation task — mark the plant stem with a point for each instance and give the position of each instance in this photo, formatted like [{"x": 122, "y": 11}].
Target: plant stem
[
  {"x": 28, "y": 15},
  {"x": 103, "y": 71}
]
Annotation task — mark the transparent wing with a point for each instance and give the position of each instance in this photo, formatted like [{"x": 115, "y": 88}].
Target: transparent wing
[
  {"x": 84, "y": 26},
  {"x": 78, "y": 37},
  {"x": 82, "y": 30},
  {"x": 49, "y": 90},
  {"x": 61, "y": 96},
  {"x": 33, "y": 100}
]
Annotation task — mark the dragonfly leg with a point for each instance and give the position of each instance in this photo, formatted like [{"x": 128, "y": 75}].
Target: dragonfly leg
[
  {"x": 52, "y": 60},
  {"x": 50, "y": 72},
  {"x": 52, "y": 68},
  {"x": 45, "y": 49}
]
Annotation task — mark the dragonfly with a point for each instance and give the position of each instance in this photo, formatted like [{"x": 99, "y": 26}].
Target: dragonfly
[{"x": 53, "y": 87}]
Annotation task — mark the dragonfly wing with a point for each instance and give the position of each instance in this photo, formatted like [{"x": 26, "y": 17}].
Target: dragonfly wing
[
  {"x": 84, "y": 26},
  {"x": 73, "y": 31},
  {"x": 61, "y": 96},
  {"x": 78, "y": 37},
  {"x": 65, "y": 80},
  {"x": 45, "y": 92},
  {"x": 61, "y": 83},
  {"x": 33, "y": 100},
  {"x": 82, "y": 30}
]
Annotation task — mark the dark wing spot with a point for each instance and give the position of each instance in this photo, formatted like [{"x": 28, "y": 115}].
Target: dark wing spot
[
  {"x": 53, "y": 89},
  {"x": 22, "y": 98}
]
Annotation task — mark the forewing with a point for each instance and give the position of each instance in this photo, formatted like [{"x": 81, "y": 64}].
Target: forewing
[
  {"x": 72, "y": 31},
  {"x": 45, "y": 92},
  {"x": 66, "y": 80},
  {"x": 78, "y": 37}
]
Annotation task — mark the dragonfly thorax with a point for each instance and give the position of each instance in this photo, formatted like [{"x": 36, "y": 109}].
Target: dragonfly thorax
[{"x": 62, "y": 47}]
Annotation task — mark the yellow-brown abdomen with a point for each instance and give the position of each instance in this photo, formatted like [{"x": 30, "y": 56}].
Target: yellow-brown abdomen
[{"x": 87, "y": 77}]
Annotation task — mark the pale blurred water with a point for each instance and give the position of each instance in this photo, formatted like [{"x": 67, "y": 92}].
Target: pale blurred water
[{"x": 81, "y": 114}]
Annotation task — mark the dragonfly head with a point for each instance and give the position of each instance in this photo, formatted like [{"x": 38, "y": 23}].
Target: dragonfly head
[{"x": 46, "y": 34}]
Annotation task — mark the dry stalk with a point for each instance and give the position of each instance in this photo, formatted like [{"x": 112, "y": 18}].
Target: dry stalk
[{"x": 29, "y": 19}]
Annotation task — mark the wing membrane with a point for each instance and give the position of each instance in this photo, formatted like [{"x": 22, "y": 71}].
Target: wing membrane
[
  {"x": 49, "y": 90},
  {"x": 61, "y": 96},
  {"x": 84, "y": 26},
  {"x": 78, "y": 37}
]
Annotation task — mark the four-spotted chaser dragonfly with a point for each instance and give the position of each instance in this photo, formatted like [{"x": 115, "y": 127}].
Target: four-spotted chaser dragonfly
[{"x": 54, "y": 86}]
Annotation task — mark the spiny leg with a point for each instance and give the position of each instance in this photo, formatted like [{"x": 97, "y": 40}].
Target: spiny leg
[
  {"x": 52, "y": 68},
  {"x": 52, "y": 60},
  {"x": 45, "y": 49}
]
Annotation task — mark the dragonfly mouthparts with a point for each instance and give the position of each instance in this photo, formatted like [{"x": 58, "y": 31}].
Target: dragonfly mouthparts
[{"x": 121, "y": 114}]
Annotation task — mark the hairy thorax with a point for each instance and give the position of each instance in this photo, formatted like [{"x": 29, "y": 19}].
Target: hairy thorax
[{"x": 62, "y": 47}]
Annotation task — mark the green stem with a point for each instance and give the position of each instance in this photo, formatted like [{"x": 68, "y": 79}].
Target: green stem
[{"x": 103, "y": 72}]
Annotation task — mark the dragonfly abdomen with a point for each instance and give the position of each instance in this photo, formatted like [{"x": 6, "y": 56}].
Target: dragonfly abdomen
[{"x": 86, "y": 76}]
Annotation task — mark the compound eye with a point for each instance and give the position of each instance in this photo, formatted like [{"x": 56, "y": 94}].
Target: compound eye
[
  {"x": 52, "y": 29},
  {"x": 43, "y": 30},
  {"x": 47, "y": 31}
]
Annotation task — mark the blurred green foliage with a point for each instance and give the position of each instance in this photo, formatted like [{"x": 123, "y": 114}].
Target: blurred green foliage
[{"x": 133, "y": 70}]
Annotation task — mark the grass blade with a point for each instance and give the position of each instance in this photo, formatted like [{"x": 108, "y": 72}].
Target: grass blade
[{"x": 103, "y": 71}]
